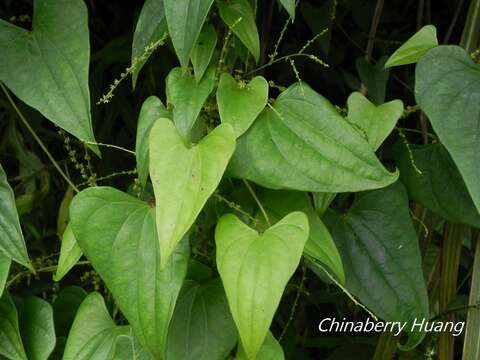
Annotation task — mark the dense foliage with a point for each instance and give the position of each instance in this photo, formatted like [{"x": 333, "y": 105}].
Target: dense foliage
[{"x": 200, "y": 179}]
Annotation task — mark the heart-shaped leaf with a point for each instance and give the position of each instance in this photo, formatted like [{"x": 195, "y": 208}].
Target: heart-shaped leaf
[
  {"x": 203, "y": 51},
  {"x": 37, "y": 328},
  {"x": 320, "y": 246},
  {"x": 240, "y": 18},
  {"x": 185, "y": 19},
  {"x": 58, "y": 49},
  {"x": 414, "y": 48},
  {"x": 447, "y": 88},
  {"x": 184, "y": 178},
  {"x": 381, "y": 256},
  {"x": 70, "y": 253},
  {"x": 117, "y": 234},
  {"x": 239, "y": 104},
  {"x": 374, "y": 122},
  {"x": 10, "y": 341},
  {"x": 11, "y": 237},
  {"x": 270, "y": 350},
  {"x": 202, "y": 327},
  {"x": 152, "y": 110},
  {"x": 65, "y": 308},
  {"x": 304, "y": 144},
  {"x": 151, "y": 27},
  {"x": 187, "y": 97},
  {"x": 255, "y": 269},
  {"x": 93, "y": 335},
  {"x": 440, "y": 187}
]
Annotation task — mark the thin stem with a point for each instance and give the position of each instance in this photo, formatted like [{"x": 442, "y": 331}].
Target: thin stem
[
  {"x": 282, "y": 58},
  {"x": 295, "y": 303},
  {"x": 109, "y": 146},
  {"x": 264, "y": 213},
  {"x": 373, "y": 29},
  {"x": 37, "y": 139}
]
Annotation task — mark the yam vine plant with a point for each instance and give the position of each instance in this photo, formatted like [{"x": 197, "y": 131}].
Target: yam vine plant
[{"x": 200, "y": 179}]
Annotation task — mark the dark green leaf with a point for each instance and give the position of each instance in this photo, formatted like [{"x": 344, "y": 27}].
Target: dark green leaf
[
  {"x": 185, "y": 19},
  {"x": 65, "y": 308},
  {"x": 203, "y": 51},
  {"x": 37, "y": 328},
  {"x": 447, "y": 88},
  {"x": 58, "y": 50},
  {"x": 10, "y": 341},
  {"x": 240, "y": 18},
  {"x": 380, "y": 253},
  {"x": 202, "y": 327},
  {"x": 440, "y": 187},
  {"x": 374, "y": 77},
  {"x": 304, "y": 144},
  {"x": 4, "y": 271},
  {"x": 151, "y": 27},
  {"x": 117, "y": 234},
  {"x": 11, "y": 237},
  {"x": 70, "y": 253}
]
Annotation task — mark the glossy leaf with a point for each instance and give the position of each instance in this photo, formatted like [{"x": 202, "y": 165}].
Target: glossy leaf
[
  {"x": 37, "y": 328},
  {"x": 58, "y": 49},
  {"x": 70, "y": 253},
  {"x": 270, "y": 350},
  {"x": 187, "y": 97},
  {"x": 203, "y": 50},
  {"x": 440, "y": 187},
  {"x": 152, "y": 110},
  {"x": 4, "y": 271},
  {"x": 117, "y": 234},
  {"x": 202, "y": 327},
  {"x": 374, "y": 122},
  {"x": 240, "y": 103},
  {"x": 196, "y": 172},
  {"x": 304, "y": 144},
  {"x": 447, "y": 88},
  {"x": 247, "y": 261},
  {"x": 414, "y": 48},
  {"x": 151, "y": 27},
  {"x": 240, "y": 18},
  {"x": 10, "y": 341},
  {"x": 11, "y": 237},
  {"x": 93, "y": 334},
  {"x": 185, "y": 19},
  {"x": 289, "y": 5},
  {"x": 381, "y": 256},
  {"x": 320, "y": 246}
]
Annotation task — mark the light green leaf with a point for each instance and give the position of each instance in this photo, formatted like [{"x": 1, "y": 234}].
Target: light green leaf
[
  {"x": 374, "y": 77},
  {"x": 152, "y": 110},
  {"x": 151, "y": 27},
  {"x": 203, "y": 50},
  {"x": 374, "y": 122},
  {"x": 37, "y": 328},
  {"x": 196, "y": 172},
  {"x": 320, "y": 245},
  {"x": 240, "y": 18},
  {"x": 58, "y": 49},
  {"x": 414, "y": 48},
  {"x": 304, "y": 144},
  {"x": 185, "y": 19},
  {"x": 240, "y": 103},
  {"x": 289, "y": 5},
  {"x": 4, "y": 271},
  {"x": 93, "y": 335},
  {"x": 202, "y": 327},
  {"x": 10, "y": 341},
  {"x": 117, "y": 234},
  {"x": 381, "y": 256},
  {"x": 440, "y": 187},
  {"x": 255, "y": 269},
  {"x": 128, "y": 348},
  {"x": 447, "y": 88},
  {"x": 12, "y": 242},
  {"x": 63, "y": 217},
  {"x": 270, "y": 350},
  {"x": 187, "y": 97},
  {"x": 70, "y": 253}
]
